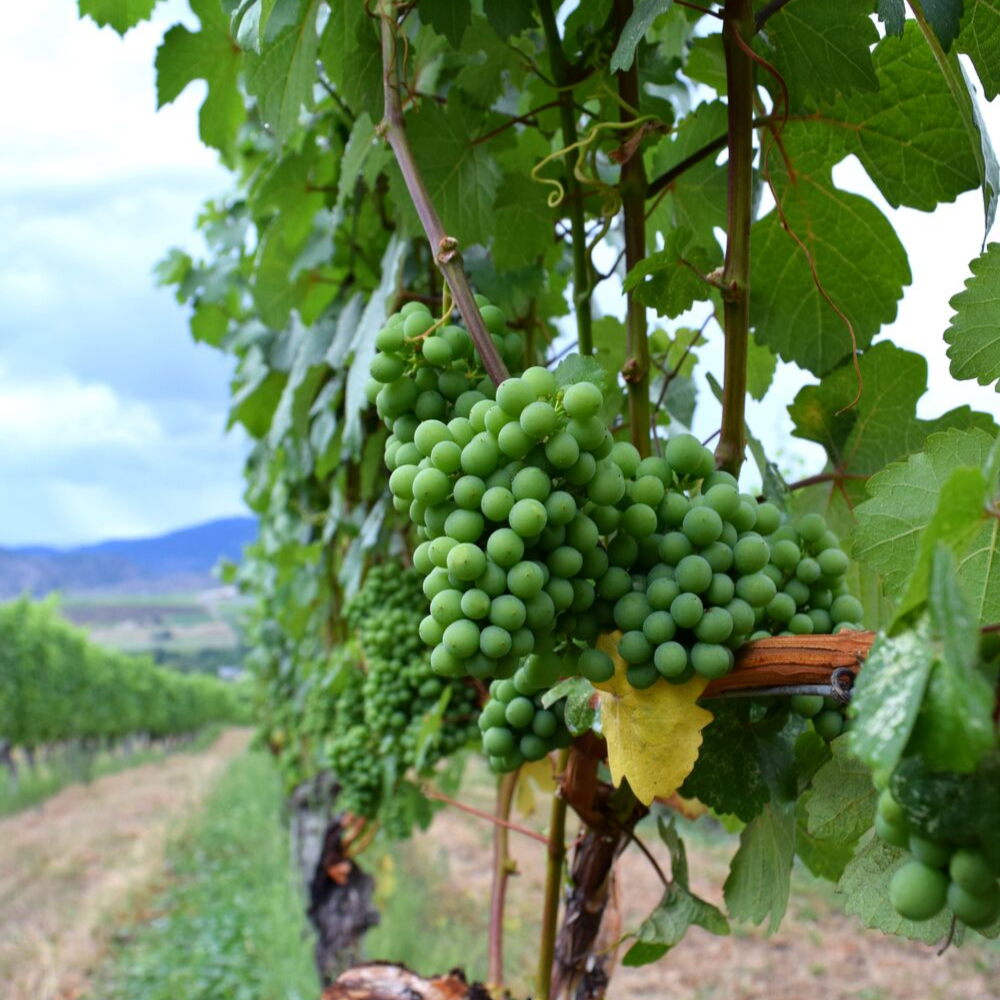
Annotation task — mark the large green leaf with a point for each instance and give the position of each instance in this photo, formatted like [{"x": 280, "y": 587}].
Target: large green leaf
[
  {"x": 842, "y": 805},
  {"x": 888, "y": 695},
  {"x": 858, "y": 258},
  {"x": 980, "y": 40},
  {"x": 761, "y": 870},
  {"x": 945, "y": 17},
  {"x": 674, "y": 278},
  {"x": 462, "y": 177},
  {"x": 120, "y": 15},
  {"x": 352, "y": 57},
  {"x": 212, "y": 55},
  {"x": 509, "y": 17},
  {"x": 283, "y": 74},
  {"x": 904, "y": 498},
  {"x": 822, "y": 49},
  {"x": 639, "y": 22},
  {"x": 523, "y": 221},
  {"x": 449, "y": 18},
  {"x": 974, "y": 334}
]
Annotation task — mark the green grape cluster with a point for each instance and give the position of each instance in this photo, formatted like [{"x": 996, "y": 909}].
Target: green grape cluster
[
  {"x": 515, "y": 725},
  {"x": 807, "y": 567},
  {"x": 381, "y": 712},
  {"x": 940, "y": 873},
  {"x": 828, "y": 716}
]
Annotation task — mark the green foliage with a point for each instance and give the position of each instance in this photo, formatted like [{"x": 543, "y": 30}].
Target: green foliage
[{"x": 973, "y": 336}]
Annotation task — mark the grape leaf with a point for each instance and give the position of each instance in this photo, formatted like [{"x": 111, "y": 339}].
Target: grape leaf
[
  {"x": 653, "y": 736},
  {"x": 581, "y": 703},
  {"x": 908, "y": 134},
  {"x": 283, "y": 74},
  {"x": 980, "y": 40},
  {"x": 955, "y": 728},
  {"x": 888, "y": 695},
  {"x": 865, "y": 885},
  {"x": 706, "y": 63},
  {"x": 293, "y": 187},
  {"x": 350, "y": 52},
  {"x": 892, "y": 14},
  {"x": 842, "y": 805},
  {"x": 761, "y": 870},
  {"x": 672, "y": 279},
  {"x": 523, "y": 223},
  {"x": 639, "y": 22},
  {"x": 121, "y": 15},
  {"x": 307, "y": 372},
  {"x": 825, "y": 859},
  {"x": 462, "y": 177},
  {"x": 361, "y": 149},
  {"x": 509, "y": 17},
  {"x": 904, "y": 497},
  {"x": 489, "y": 67},
  {"x": 945, "y": 17},
  {"x": 211, "y": 55},
  {"x": 859, "y": 260},
  {"x": 974, "y": 333},
  {"x": 824, "y": 48},
  {"x": 449, "y": 18},
  {"x": 579, "y": 368},
  {"x": 761, "y": 366},
  {"x": 743, "y": 764}
]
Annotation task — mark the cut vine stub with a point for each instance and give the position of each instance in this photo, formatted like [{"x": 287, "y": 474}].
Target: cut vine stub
[
  {"x": 793, "y": 659},
  {"x": 384, "y": 981}
]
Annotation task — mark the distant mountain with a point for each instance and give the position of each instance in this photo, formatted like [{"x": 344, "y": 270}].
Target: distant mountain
[{"x": 179, "y": 560}]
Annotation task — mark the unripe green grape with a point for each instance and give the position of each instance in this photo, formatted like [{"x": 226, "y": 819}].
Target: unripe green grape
[
  {"x": 806, "y": 705},
  {"x": 475, "y": 603},
  {"x": 655, "y": 466},
  {"x": 832, "y": 562},
  {"x": 661, "y": 593},
  {"x": 430, "y": 405},
  {"x": 588, "y": 433},
  {"x": 932, "y": 853},
  {"x": 390, "y": 338},
  {"x": 742, "y": 615},
  {"x": 710, "y": 660},
  {"x": 829, "y": 724},
  {"x": 451, "y": 385},
  {"x": 670, "y": 659},
  {"x": 544, "y": 724},
  {"x": 466, "y": 561},
  {"x": 493, "y": 317},
  {"x": 468, "y": 494},
  {"x": 464, "y": 406},
  {"x": 631, "y": 611},
  {"x": 565, "y": 562},
  {"x": 531, "y": 484},
  {"x": 461, "y": 431},
  {"x": 785, "y": 555},
  {"x": 562, "y": 450},
  {"x": 560, "y": 590},
  {"x": 800, "y": 624},
  {"x": 533, "y": 747},
  {"x": 607, "y": 486},
  {"x": 751, "y": 554},
  {"x": 435, "y": 517},
  {"x": 477, "y": 415},
  {"x": 496, "y": 420},
  {"x": 527, "y": 518},
  {"x": 401, "y": 482},
  {"x": 582, "y": 534},
  {"x": 430, "y": 631},
  {"x": 538, "y": 420},
  {"x": 623, "y": 550},
  {"x": 808, "y": 571},
  {"x": 719, "y": 556},
  {"x": 970, "y": 869},
  {"x": 647, "y": 490},
  {"x": 508, "y": 612},
  {"x": 716, "y": 626},
  {"x": 846, "y": 609},
  {"x": 436, "y": 351},
  {"x": 551, "y": 537},
  {"x": 686, "y": 610},
  {"x": 672, "y": 510},
  {"x": 639, "y": 520},
  {"x": 975, "y": 909},
  {"x": 461, "y": 638},
  {"x": 918, "y": 892},
  {"x": 430, "y": 487},
  {"x": 464, "y": 526},
  {"x": 812, "y": 527},
  {"x": 694, "y": 574},
  {"x": 634, "y": 647},
  {"x": 721, "y": 590},
  {"x": 505, "y": 547},
  {"x": 422, "y": 561},
  {"x": 745, "y": 518},
  {"x": 702, "y": 526},
  {"x": 582, "y": 471},
  {"x": 416, "y": 513},
  {"x": 582, "y": 400},
  {"x": 513, "y": 395},
  {"x": 583, "y": 595},
  {"x": 683, "y": 454},
  {"x": 498, "y": 741},
  {"x": 541, "y": 381},
  {"x": 797, "y": 591},
  {"x": 724, "y": 499},
  {"x": 407, "y": 454},
  {"x": 595, "y": 563},
  {"x": 768, "y": 519},
  {"x": 642, "y": 675},
  {"x": 614, "y": 583},
  {"x": 494, "y": 712},
  {"x": 822, "y": 623},
  {"x": 774, "y": 574},
  {"x": 386, "y": 368},
  {"x": 895, "y": 834},
  {"x": 494, "y": 642},
  {"x": 659, "y": 627},
  {"x": 497, "y": 503},
  {"x": 447, "y": 457},
  {"x": 513, "y": 442},
  {"x": 596, "y": 666},
  {"x": 525, "y": 579},
  {"x": 781, "y": 608},
  {"x": 756, "y": 589},
  {"x": 626, "y": 456},
  {"x": 674, "y": 546},
  {"x": 560, "y": 507},
  {"x": 446, "y": 607},
  {"x": 481, "y": 455},
  {"x": 540, "y": 611}
]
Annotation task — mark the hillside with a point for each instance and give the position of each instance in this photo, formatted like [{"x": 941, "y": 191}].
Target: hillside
[{"x": 177, "y": 561}]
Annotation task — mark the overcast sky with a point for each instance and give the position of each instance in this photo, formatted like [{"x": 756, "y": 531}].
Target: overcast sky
[{"x": 111, "y": 419}]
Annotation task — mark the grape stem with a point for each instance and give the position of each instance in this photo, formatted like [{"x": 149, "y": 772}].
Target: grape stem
[
  {"x": 502, "y": 869},
  {"x": 739, "y": 24},
  {"x": 555, "y": 859},
  {"x": 437, "y": 796},
  {"x": 632, "y": 186},
  {"x": 444, "y": 248}
]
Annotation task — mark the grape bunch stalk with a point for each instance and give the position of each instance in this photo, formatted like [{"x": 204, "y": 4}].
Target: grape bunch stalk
[{"x": 538, "y": 533}]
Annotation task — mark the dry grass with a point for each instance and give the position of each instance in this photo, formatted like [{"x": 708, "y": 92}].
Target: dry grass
[{"x": 70, "y": 867}]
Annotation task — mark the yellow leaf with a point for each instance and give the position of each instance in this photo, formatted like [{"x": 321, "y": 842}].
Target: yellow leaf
[
  {"x": 654, "y": 735},
  {"x": 537, "y": 773}
]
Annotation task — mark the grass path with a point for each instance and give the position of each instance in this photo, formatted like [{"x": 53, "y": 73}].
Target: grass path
[{"x": 70, "y": 868}]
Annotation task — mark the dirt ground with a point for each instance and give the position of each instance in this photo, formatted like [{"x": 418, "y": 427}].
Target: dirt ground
[
  {"x": 72, "y": 865},
  {"x": 818, "y": 952}
]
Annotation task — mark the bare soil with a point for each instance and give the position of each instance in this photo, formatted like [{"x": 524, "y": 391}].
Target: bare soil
[
  {"x": 818, "y": 952},
  {"x": 74, "y": 866}
]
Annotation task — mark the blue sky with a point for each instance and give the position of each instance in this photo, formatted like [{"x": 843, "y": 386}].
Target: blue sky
[{"x": 111, "y": 419}]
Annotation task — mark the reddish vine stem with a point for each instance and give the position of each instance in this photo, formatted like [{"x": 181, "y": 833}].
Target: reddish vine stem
[
  {"x": 553, "y": 882},
  {"x": 432, "y": 793},
  {"x": 736, "y": 272},
  {"x": 632, "y": 187},
  {"x": 501, "y": 872},
  {"x": 444, "y": 248}
]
